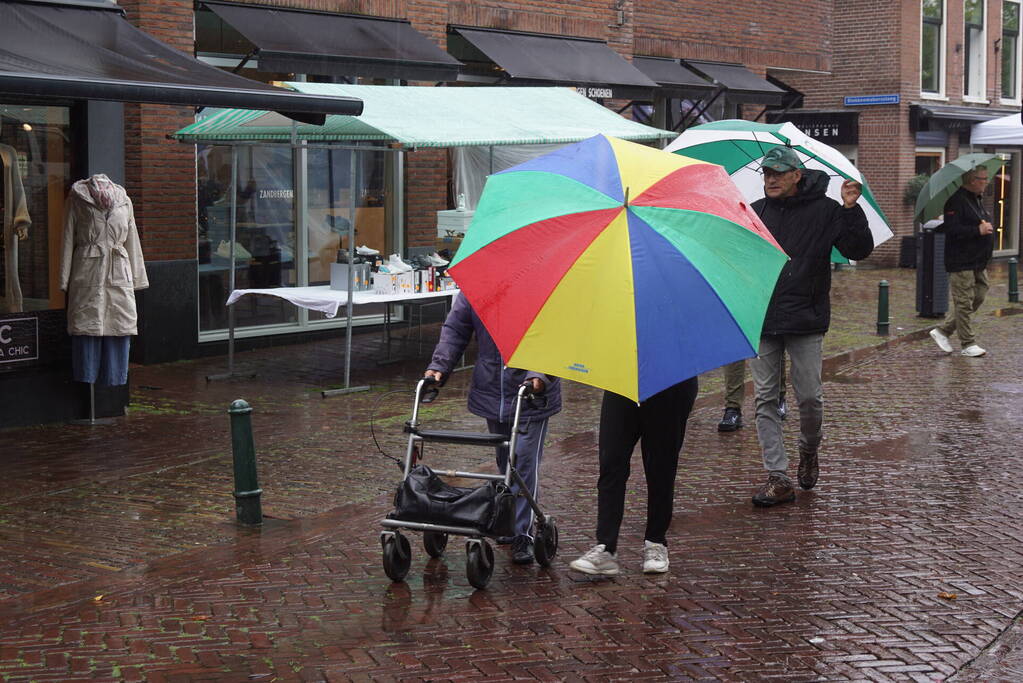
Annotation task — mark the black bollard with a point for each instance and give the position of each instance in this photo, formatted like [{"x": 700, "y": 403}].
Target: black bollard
[
  {"x": 1013, "y": 282},
  {"x": 247, "y": 507},
  {"x": 882, "y": 307}
]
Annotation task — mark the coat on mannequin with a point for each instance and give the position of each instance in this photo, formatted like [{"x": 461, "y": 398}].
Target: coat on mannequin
[
  {"x": 16, "y": 221},
  {"x": 102, "y": 261}
]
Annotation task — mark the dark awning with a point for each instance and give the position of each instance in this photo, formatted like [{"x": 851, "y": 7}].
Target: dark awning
[
  {"x": 742, "y": 84},
  {"x": 675, "y": 80},
  {"x": 535, "y": 59},
  {"x": 77, "y": 51},
  {"x": 308, "y": 42},
  {"x": 946, "y": 117}
]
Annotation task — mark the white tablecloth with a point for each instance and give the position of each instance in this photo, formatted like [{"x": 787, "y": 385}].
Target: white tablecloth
[{"x": 327, "y": 301}]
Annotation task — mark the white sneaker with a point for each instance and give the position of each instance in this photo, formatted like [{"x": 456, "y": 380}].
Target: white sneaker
[
  {"x": 596, "y": 561},
  {"x": 941, "y": 340},
  {"x": 437, "y": 260},
  {"x": 973, "y": 351},
  {"x": 397, "y": 265},
  {"x": 366, "y": 251},
  {"x": 655, "y": 558}
]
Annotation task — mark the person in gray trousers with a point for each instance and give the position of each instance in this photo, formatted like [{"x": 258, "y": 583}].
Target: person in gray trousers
[{"x": 807, "y": 224}]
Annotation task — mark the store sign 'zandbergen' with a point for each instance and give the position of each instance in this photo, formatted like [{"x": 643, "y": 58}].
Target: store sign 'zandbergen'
[{"x": 19, "y": 339}]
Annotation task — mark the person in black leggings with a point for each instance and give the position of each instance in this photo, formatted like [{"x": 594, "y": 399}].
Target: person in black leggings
[{"x": 660, "y": 422}]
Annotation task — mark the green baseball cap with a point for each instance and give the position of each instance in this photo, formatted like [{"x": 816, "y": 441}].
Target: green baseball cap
[{"x": 780, "y": 159}]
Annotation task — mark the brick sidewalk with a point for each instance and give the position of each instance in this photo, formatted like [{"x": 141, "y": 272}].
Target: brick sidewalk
[{"x": 842, "y": 584}]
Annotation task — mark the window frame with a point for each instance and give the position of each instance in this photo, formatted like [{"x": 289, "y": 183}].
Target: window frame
[
  {"x": 1017, "y": 62},
  {"x": 940, "y": 64},
  {"x": 969, "y": 96}
]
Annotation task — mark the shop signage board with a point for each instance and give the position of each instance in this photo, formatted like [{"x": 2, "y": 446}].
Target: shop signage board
[
  {"x": 831, "y": 127},
  {"x": 19, "y": 339},
  {"x": 596, "y": 93},
  {"x": 868, "y": 100}
]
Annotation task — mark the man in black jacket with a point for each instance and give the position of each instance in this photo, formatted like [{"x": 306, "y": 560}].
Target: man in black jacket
[
  {"x": 807, "y": 225},
  {"x": 969, "y": 241}
]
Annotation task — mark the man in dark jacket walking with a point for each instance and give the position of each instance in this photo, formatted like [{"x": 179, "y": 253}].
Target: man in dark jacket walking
[
  {"x": 492, "y": 393},
  {"x": 807, "y": 225},
  {"x": 969, "y": 241}
]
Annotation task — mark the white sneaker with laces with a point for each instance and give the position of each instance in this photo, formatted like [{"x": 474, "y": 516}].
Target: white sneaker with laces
[
  {"x": 596, "y": 561},
  {"x": 973, "y": 351},
  {"x": 437, "y": 260},
  {"x": 655, "y": 558},
  {"x": 366, "y": 251},
  {"x": 941, "y": 340}
]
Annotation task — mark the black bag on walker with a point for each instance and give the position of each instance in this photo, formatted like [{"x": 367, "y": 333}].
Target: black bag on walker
[{"x": 425, "y": 497}]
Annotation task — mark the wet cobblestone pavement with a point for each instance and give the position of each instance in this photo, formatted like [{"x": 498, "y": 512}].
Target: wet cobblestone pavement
[{"x": 121, "y": 560}]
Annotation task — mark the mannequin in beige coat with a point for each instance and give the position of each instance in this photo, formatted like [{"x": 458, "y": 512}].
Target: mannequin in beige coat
[
  {"x": 102, "y": 260},
  {"x": 15, "y": 224}
]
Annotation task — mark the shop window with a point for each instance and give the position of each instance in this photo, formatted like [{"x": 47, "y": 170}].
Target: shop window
[
  {"x": 928, "y": 161},
  {"x": 932, "y": 46},
  {"x": 35, "y": 174},
  {"x": 1010, "y": 51},
  {"x": 974, "y": 70},
  {"x": 1005, "y": 192},
  {"x": 269, "y": 251},
  {"x": 265, "y": 241}
]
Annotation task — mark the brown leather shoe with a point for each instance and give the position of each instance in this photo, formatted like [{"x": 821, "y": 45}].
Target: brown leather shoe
[
  {"x": 808, "y": 470},
  {"x": 778, "y": 489}
]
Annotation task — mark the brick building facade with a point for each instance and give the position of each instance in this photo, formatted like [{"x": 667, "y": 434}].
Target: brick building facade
[
  {"x": 161, "y": 173},
  {"x": 877, "y": 49}
]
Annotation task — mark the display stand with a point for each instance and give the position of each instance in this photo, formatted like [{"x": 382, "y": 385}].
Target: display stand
[
  {"x": 92, "y": 419},
  {"x": 328, "y": 301},
  {"x": 231, "y": 276},
  {"x": 348, "y": 389}
]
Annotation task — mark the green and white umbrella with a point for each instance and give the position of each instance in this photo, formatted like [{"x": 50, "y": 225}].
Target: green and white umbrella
[
  {"x": 740, "y": 145},
  {"x": 930, "y": 203}
]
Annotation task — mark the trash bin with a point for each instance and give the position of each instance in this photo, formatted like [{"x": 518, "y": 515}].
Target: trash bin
[
  {"x": 931, "y": 278},
  {"x": 907, "y": 252}
]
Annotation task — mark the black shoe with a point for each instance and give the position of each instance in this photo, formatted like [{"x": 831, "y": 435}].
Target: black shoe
[
  {"x": 522, "y": 550},
  {"x": 731, "y": 421},
  {"x": 783, "y": 410},
  {"x": 505, "y": 540}
]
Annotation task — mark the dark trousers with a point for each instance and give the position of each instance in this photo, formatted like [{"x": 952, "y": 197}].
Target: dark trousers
[{"x": 660, "y": 422}]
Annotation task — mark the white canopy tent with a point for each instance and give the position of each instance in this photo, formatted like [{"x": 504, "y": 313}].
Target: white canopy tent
[{"x": 1007, "y": 130}]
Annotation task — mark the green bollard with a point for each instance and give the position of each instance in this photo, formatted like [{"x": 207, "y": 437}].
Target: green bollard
[
  {"x": 882, "y": 307},
  {"x": 1013, "y": 282},
  {"x": 247, "y": 507}
]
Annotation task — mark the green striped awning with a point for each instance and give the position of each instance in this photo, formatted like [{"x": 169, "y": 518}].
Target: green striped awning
[{"x": 435, "y": 117}]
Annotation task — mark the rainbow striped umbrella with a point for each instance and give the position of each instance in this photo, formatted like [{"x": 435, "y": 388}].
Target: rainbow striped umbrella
[{"x": 619, "y": 266}]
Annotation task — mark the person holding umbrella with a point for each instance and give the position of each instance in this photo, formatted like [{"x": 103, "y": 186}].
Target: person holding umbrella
[
  {"x": 807, "y": 225},
  {"x": 969, "y": 241},
  {"x": 492, "y": 393}
]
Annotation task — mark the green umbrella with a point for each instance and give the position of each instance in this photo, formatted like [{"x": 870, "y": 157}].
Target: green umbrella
[{"x": 930, "y": 203}]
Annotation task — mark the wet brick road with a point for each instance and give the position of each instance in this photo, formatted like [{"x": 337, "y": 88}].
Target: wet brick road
[{"x": 121, "y": 561}]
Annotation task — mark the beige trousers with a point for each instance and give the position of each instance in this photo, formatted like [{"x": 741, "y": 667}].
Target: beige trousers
[{"x": 969, "y": 287}]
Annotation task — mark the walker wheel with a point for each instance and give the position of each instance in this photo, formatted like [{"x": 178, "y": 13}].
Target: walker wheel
[
  {"x": 479, "y": 563},
  {"x": 545, "y": 544},
  {"x": 434, "y": 542},
  {"x": 397, "y": 556}
]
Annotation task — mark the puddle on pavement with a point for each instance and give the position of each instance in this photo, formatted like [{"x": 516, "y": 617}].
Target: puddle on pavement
[{"x": 1004, "y": 312}]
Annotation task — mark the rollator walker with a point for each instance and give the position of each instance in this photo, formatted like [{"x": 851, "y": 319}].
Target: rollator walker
[{"x": 426, "y": 503}]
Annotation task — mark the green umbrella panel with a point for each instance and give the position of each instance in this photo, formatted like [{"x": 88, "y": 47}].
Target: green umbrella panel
[{"x": 930, "y": 203}]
